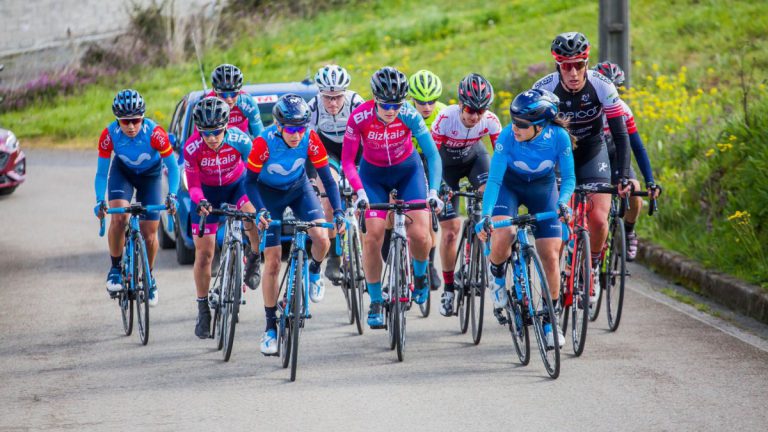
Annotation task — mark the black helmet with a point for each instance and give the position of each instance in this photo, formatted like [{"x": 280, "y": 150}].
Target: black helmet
[
  {"x": 612, "y": 71},
  {"x": 211, "y": 113},
  {"x": 128, "y": 103},
  {"x": 475, "y": 92},
  {"x": 389, "y": 85},
  {"x": 570, "y": 46},
  {"x": 227, "y": 77},
  {"x": 291, "y": 110},
  {"x": 536, "y": 106}
]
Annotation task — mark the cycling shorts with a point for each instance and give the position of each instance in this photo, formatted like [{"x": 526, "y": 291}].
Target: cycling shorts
[
  {"x": 614, "y": 167},
  {"x": 596, "y": 170},
  {"x": 476, "y": 171},
  {"x": 334, "y": 157},
  {"x": 302, "y": 200},
  {"x": 148, "y": 185},
  {"x": 233, "y": 193},
  {"x": 538, "y": 196},
  {"x": 407, "y": 177}
]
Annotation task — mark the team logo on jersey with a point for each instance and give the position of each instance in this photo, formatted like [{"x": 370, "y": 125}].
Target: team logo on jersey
[
  {"x": 193, "y": 146},
  {"x": 379, "y": 136},
  {"x": 225, "y": 160},
  {"x": 238, "y": 137},
  {"x": 568, "y": 103},
  {"x": 276, "y": 168},
  {"x": 236, "y": 118},
  {"x": 139, "y": 160},
  {"x": 585, "y": 97},
  {"x": 584, "y": 114},
  {"x": 603, "y": 167},
  {"x": 499, "y": 147},
  {"x": 543, "y": 166},
  {"x": 362, "y": 115}
]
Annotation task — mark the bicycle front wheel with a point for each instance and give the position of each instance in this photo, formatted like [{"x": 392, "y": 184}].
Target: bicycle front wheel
[
  {"x": 125, "y": 302},
  {"x": 478, "y": 280},
  {"x": 544, "y": 317},
  {"x": 616, "y": 274},
  {"x": 516, "y": 323},
  {"x": 231, "y": 298},
  {"x": 297, "y": 309},
  {"x": 400, "y": 306},
  {"x": 142, "y": 280},
  {"x": 581, "y": 266},
  {"x": 462, "y": 283},
  {"x": 353, "y": 275}
]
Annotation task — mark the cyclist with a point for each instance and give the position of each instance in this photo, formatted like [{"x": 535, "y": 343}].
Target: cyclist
[
  {"x": 424, "y": 88},
  {"x": 458, "y": 132},
  {"x": 227, "y": 81},
  {"x": 584, "y": 96},
  {"x": 213, "y": 163},
  {"x": 140, "y": 146},
  {"x": 523, "y": 173},
  {"x": 329, "y": 111},
  {"x": 276, "y": 179},
  {"x": 383, "y": 127},
  {"x": 614, "y": 73}
]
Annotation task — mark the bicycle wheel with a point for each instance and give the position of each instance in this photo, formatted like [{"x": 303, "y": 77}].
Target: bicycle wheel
[
  {"x": 566, "y": 300},
  {"x": 516, "y": 323},
  {"x": 581, "y": 266},
  {"x": 462, "y": 284},
  {"x": 388, "y": 287},
  {"x": 614, "y": 279},
  {"x": 125, "y": 302},
  {"x": 478, "y": 280},
  {"x": 219, "y": 285},
  {"x": 231, "y": 298},
  {"x": 427, "y": 305},
  {"x": 285, "y": 323},
  {"x": 142, "y": 281},
  {"x": 297, "y": 309},
  {"x": 355, "y": 278},
  {"x": 541, "y": 304},
  {"x": 401, "y": 284}
]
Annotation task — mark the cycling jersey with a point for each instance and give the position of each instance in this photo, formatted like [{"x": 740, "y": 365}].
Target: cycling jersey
[
  {"x": 439, "y": 106},
  {"x": 584, "y": 111},
  {"x": 459, "y": 144},
  {"x": 245, "y": 114},
  {"x": 139, "y": 153},
  {"x": 386, "y": 145},
  {"x": 220, "y": 167},
  {"x": 529, "y": 162},
  {"x": 635, "y": 142},
  {"x": 331, "y": 127}
]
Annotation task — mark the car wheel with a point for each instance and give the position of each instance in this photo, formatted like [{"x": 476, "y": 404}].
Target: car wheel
[
  {"x": 7, "y": 191},
  {"x": 184, "y": 255},
  {"x": 166, "y": 242}
]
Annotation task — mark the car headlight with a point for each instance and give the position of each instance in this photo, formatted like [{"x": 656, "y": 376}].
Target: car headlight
[{"x": 11, "y": 143}]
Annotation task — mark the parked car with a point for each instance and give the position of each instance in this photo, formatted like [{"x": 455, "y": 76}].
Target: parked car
[
  {"x": 181, "y": 127},
  {"x": 13, "y": 163}
]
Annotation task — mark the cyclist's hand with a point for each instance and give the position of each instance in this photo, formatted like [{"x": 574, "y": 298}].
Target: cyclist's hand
[
  {"x": 362, "y": 200},
  {"x": 625, "y": 187},
  {"x": 445, "y": 192},
  {"x": 263, "y": 219},
  {"x": 100, "y": 210},
  {"x": 170, "y": 203},
  {"x": 434, "y": 201},
  {"x": 654, "y": 190},
  {"x": 565, "y": 212},
  {"x": 340, "y": 222},
  {"x": 484, "y": 228},
  {"x": 203, "y": 208}
]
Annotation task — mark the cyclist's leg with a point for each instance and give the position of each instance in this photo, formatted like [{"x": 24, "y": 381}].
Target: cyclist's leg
[
  {"x": 501, "y": 242},
  {"x": 306, "y": 206},
  {"x": 412, "y": 188},
  {"x": 450, "y": 227},
  {"x": 120, "y": 193},
  {"x": 597, "y": 171},
  {"x": 149, "y": 191},
  {"x": 205, "y": 247},
  {"x": 377, "y": 187}
]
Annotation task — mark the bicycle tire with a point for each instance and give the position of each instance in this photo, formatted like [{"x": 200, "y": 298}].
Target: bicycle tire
[
  {"x": 231, "y": 297},
  {"x": 142, "y": 281},
  {"x": 389, "y": 303},
  {"x": 284, "y": 326},
  {"x": 218, "y": 317},
  {"x": 541, "y": 304},
  {"x": 297, "y": 304},
  {"x": 125, "y": 303},
  {"x": 461, "y": 288},
  {"x": 356, "y": 279},
  {"x": 426, "y": 307},
  {"x": 401, "y": 284},
  {"x": 478, "y": 281},
  {"x": 581, "y": 268},
  {"x": 614, "y": 284}
]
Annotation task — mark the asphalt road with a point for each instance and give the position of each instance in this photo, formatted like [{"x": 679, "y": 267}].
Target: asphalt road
[{"x": 65, "y": 365}]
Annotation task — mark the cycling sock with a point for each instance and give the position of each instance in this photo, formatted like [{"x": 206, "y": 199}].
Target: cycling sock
[
  {"x": 314, "y": 266},
  {"x": 201, "y": 300},
  {"x": 498, "y": 270},
  {"x": 116, "y": 260},
  {"x": 449, "y": 287},
  {"x": 374, "y": 290},
  {"x": 448, "y": 277},
  {"x": 629, "y": 227},
  {"x": 419, "y": 267},
  {"x": 595, "y": 259},
  {"x": 554, "y": 303},
  {"x": 271, "y": 312}
]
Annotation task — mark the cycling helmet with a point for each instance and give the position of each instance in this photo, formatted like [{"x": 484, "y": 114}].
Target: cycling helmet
[
  {"x": 291, "y": 110},
  {"x": 475, "y": 92},
  {"x": 570, "y": 46},
  {"x": 389, "y": 85},
  {"x": 128, "y": 103},
  {"x": 227, "y": 77},
  {"x": 211, "y": 113},
  {"x": 425, "y": 86},
  {"x": 332, "y": 78},
  {"x": 536, "y": 106},
  {"x": 612, "y": 71}
]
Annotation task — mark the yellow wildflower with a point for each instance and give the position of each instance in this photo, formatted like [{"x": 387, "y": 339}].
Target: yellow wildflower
[
  {"x": 709, "y": 153},
  {"x": 739, "y": 215}
]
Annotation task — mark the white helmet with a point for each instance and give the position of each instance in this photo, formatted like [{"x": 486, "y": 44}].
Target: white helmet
[{"x": 332, "y": 78}]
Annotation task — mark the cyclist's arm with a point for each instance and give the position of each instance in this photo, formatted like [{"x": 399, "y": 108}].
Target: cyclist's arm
[
  {"x": 102, "y": 168},
  {"x": 494, "y": 128},
  {"x": 419, "y": 130},
  {"x": 638, "y": 149},
  {"x": 566, "y": 164},
  {"x": 160, "y": 142},
  {"x": 495, "y": 177},
  {"x": 319, "y": 158},
  {"x": 257, "y": 158},
  {"x": 255, "y": 125},
  {"x": 349, "y": 149},
  {"x": 192, "y": 171},
  {"x": 614, "y": 113}
]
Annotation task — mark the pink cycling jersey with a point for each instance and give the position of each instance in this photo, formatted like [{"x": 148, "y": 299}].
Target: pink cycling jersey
[{"x": 224, "y": 166}]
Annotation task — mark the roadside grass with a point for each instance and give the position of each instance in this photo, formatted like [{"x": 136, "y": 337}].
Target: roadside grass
[{"x": 682, "y": 298}]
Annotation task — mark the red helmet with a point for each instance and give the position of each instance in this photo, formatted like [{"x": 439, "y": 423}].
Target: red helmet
[{"x": 570, "y": 46}]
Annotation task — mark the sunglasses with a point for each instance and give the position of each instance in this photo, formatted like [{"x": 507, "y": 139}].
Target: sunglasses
[
  {"x": 227, "y": 94},
  {"x": 390, "y": 106},
  {"x": 418, "y": 102},
  {"x": 579, "y": 65},
  {"x": 130, "y": 121},
  {"x": 469, "y": 110},
  {"x": 294, "y": 129},
  {"x": 211, "y": 133},
  {"x": 336, "y": 98},
  {"x": 521, "y": 124}
]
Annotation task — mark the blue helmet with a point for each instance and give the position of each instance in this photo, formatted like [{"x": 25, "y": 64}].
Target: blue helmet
[
  {"x": 291, "y": 110},
  {"x": 128, "y": 103},
  {"x": 211, "y": 113},
  {"x": 536, "y": 106}
]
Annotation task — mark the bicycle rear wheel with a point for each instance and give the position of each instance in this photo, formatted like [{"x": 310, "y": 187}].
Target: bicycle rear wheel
[
  {"x": 614, "y": 279},
  {"x": 478, "y": 280},
  {"x": 142, "y": 281},
  {"x": 231, "y": 298},
  {"x": 297, "y": 309},
  {"x": 516, "y": 323},
  {"x": 544, "y": 314},
  {"x": 581, "y": 267}
]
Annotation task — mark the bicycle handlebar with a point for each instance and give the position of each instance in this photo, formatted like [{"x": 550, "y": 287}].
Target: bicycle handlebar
[
  {"x": 522, "y": 220},
  {"x": 134, "y": 209}
]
